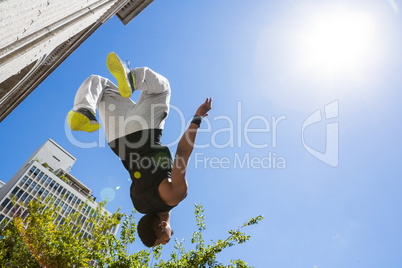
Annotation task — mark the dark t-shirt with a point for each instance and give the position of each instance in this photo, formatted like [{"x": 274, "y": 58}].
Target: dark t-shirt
[{"x": 148, "y": 163}]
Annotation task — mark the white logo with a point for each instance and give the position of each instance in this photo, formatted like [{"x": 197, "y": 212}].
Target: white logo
[{"x": 331, "y": 154}]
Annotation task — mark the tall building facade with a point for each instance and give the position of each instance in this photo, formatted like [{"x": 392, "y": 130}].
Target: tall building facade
[
  {"x": 45, "y": 174},
  {"x": 37, "y": 36}
]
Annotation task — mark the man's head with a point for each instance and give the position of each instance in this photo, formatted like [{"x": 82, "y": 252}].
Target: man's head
[{"x": 152, "y": 231}]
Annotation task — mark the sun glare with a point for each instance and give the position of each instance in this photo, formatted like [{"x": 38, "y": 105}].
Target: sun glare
[
  {"x": 317, "y": 53},
  {"x": 337, "y": 41}
]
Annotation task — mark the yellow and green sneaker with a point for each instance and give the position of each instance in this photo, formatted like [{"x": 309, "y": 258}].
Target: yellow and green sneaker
[
  {"x": 83, "y": 120},
  {"x": 124, "y": 76}
]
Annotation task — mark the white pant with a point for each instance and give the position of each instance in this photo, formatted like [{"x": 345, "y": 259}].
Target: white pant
[{"x": 121, "y": 116}]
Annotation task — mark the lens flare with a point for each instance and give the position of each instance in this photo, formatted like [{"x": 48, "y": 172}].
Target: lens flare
[{"x": 107, "y": 193}]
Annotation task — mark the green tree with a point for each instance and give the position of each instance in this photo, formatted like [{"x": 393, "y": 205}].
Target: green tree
[
  {"x": 13, "y": 250},
  {"x": 52, "y": 242}
]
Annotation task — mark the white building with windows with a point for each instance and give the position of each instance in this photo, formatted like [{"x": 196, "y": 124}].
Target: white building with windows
[{"x": 45, "y": 174}]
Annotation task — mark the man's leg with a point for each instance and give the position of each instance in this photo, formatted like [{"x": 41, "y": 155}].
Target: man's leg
[
  {"x": 82, "y": 117},
  {"x": 154, "y": 100},
  {"x": 99, "y": 92},
  {"x": 149, "y": 112},
  {"x": 152, "y": 106}
]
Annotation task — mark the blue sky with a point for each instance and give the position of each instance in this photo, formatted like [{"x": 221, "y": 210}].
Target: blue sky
[{"x": 256, "y": 55}]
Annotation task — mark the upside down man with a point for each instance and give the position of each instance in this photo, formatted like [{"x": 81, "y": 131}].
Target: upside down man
[{"x": 133, "y": 131}]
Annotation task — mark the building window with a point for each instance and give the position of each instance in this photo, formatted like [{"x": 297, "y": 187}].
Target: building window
[
  {"x": 10, "y": 205},
  {"x": 20, "y": 193},
  {"x": 5, "y": 202},
  {"x": 74, "y": 199},
  {"x": 45, "y": 193},
  {"x": 52, "y": 183},
  {"x": 60, "y": 189},
  {"x": 29, "y": 199},
  {"x": 24, "y": 179},
  {"x": 36, "y": 188},
  {"x": 29, "y": 181},
  {"x": 41, "y": 191},
  {"x": 17, "y": 209},
  {"x": 32, "y": 185},
  {"x": 36, "y": 172},
  {"x": 44, "y": 179},
  {"x": 32, "y": 169},
  {"x": 24, "y": 214},
  {"x": 48, "y": 181},
  {"x": 40, "y": 175},
  {"x": 68, "y": 210},
  {"x": 15, "y": 190},
  {"x": 24, "y": 196},
  {"x": 56, "y": 186},
  {"x": 64, "y": 191},
  {"x": 70, "y": 196}
]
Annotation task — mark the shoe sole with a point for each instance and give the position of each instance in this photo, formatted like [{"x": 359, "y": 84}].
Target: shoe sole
[
  {"x": 116, "y": 68},
  {"x": 80, "y": 122}
]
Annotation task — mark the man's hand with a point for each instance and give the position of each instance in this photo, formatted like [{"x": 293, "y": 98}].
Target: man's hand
[{"x": 204, "y": 108}]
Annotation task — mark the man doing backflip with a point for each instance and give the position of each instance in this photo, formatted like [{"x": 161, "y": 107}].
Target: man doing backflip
[{"x": 133, "y": 131}]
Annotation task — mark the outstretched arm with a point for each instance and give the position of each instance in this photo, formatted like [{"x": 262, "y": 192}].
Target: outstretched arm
[
  {"x": 174, "y": 192},
  {"x": 186, "y": 143}
]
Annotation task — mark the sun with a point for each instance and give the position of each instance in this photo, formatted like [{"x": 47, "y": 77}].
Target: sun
[
  {"x": 337, "y": 40},
  {"x": 317, "y": 53}
]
